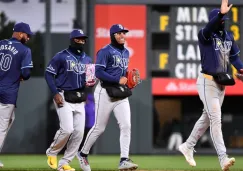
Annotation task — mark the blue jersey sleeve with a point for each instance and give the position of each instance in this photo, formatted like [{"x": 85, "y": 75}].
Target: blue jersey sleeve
[
  {"x": 50, "y": 80},
  {"x": 234, "y": 49},
  {"x": 26, "y": 73},
  {"x": 90, "y": 61},
  {"x": 54, "y": 65},
  {"x": 102, "y": 58},
  {"x": 234, "y": 55},
  {"x": 205, "y": 33},
  {"x": 100, "y": 66},
  {"x": 27, "y": 60}
]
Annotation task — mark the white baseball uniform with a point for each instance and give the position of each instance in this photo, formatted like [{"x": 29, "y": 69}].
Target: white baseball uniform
[
  {"x": 217, "y": 49},
  {"x": 111, "y": 64},
  {"x": 68, "y": 69},
  {"x": 103, "y": 108}
]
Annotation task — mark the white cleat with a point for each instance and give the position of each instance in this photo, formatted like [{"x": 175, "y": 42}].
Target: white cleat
[
  {"x": 127, "y": 165},
  {"x": 1, "y": 165},
  {"x": 227, "y": 163},
  {"x": 188, "y": 154},
  {"x": 83, "y": 162}
]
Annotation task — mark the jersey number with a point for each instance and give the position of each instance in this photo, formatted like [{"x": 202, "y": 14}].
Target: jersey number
[{"x": 5, "y": 61}]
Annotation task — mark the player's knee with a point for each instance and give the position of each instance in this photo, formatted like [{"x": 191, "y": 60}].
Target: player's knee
[
  {"x": 100, "y": 130},
  {"x": 68, "y": 131},
  {"x": 215, "y": 117},
  {"x": 125, "y": 127},
  {"x": 79, "y": 132}
]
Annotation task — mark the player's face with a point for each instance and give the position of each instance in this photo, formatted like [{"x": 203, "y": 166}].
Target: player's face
[
  {"x": 222, "y": 25},
  {"x": 120, "y": 37},
  {"x": 79, "y": 40},
  {"x": 24, "y": 38}
]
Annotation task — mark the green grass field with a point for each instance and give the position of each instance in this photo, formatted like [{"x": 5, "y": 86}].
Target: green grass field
[{"x": 158, "y": 163}]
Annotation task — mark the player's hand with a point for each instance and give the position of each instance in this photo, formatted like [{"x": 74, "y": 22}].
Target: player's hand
[
  {"x": 239, "y": 75},
  {"x": 59, "y": 100},
  {"x": 123, "y": 80},
  {"x": 21, "y": 79},
  {"x": 225, "y": 7}
]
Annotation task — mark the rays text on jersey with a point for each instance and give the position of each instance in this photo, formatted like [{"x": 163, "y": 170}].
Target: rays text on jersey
[
  {"x": 120, "y": 62},
  {"x": 223, "y": 46},
  {"x": 76, "y": 67}
]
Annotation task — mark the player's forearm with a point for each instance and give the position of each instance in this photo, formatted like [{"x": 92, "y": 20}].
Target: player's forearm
[
  {"x": 104, "y": 76},
  {"x": 212, "y": 25},
  {"x": 51, "y": 82},
  {"x": 236, "y": 62},
  {"x": 25, "y": 74}
]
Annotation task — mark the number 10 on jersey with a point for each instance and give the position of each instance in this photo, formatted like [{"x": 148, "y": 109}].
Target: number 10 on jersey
[{"x": 5, "y": 61}]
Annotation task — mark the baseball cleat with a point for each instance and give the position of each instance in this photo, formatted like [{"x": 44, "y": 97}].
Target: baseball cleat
[
  {"x": 83, "y": 162},
  {"x": 1, "y": 165},
  {"x": 227, "y": 163},
  {"x": 127, "y": 165},
  {"x": 66, "y": 168},
  {"x": 188, "y": 154},
  {"x": 52, "y": 162}
]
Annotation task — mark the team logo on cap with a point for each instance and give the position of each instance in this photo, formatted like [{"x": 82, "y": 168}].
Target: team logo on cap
[
  {"x": 120, "y": 26},
  {"x": 81, "y": 31}
]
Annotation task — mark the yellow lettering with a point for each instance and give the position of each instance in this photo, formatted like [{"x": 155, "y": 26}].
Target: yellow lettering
[
  {"x": 164, "y": 21},
  {"x": 235, "y": 14},
  {"x": 163, "y": 60},
  {"x": 236, "y": 32},
  {"x": 234, "y": 71}
]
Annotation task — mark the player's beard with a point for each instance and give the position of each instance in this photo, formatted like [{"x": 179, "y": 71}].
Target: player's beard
[
  {"x": 115, "y": 43},
  {"x": 23, "y": 40}
]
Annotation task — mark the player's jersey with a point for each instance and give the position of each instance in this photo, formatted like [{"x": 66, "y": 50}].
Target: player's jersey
[
  {"x": 216, "y": 51},
  {"x": 69, "y": 70},
  {"x": 115, "y": 61},
  {"x": 14, "y": 56}
]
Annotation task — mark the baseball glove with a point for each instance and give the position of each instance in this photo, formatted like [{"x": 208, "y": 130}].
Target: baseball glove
[{"x": 133, "y": 78}]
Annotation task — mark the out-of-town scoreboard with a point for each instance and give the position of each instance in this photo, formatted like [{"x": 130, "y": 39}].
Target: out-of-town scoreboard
[{"x": 174, "y": 32}]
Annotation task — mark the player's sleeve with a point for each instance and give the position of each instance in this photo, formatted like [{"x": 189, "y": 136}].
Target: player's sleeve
[
  {"x": 51, "y": 71},
  {"x": 27, "y": 60},
  {"x": 90, "y": 60},
  {"x": 102, "y": 58},
  {"x": 235, "y": 55},
  {"x": 125, "y": 71},
  {"x": 25, "y": 74},
  {"x": 54, "y": 65},
  {"x": 235, "y": 50},
  {"x": 205, "y": 33},
  {"x": 100, "y": 66},
  {"x": 50, "y": 80}
]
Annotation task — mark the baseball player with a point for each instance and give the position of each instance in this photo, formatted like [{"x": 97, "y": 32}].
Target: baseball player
[
  {"x": 218, "y": 49},
  {"x": 65, "y": 76},
  {"x": 111, "y": 67},
  {"x": 15, "y": 66}
]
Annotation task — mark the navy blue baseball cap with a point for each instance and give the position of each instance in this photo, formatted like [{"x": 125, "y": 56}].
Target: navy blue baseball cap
[
  {"x": 117, "y": 28},
  {"x": 215, "y": 12},
  {"x": 22, "y": 27},
  {"x": 77, "y": 33}
]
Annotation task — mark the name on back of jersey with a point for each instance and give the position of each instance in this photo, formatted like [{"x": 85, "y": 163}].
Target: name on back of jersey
[{"x": 10, "y": 48}]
